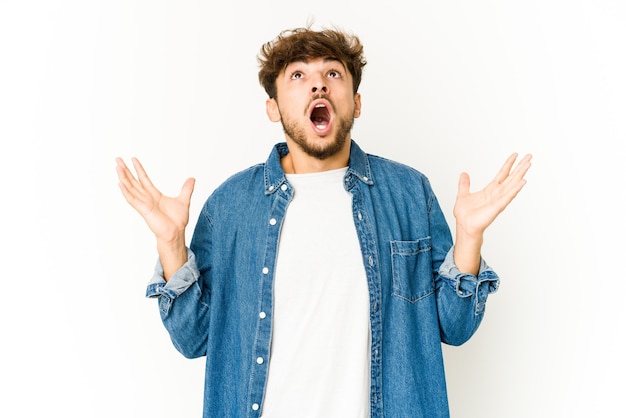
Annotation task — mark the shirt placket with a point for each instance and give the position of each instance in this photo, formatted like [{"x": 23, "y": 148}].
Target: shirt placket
[
  {"x": 367, "y": 240},
  {"x": 261, "y": 357}
]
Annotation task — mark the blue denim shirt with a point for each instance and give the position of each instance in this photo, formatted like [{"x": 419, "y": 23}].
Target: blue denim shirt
[{"x": 219, "y": 304}]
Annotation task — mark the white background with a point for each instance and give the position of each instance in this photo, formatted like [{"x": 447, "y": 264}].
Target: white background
[{"x": 451, "y": 86}]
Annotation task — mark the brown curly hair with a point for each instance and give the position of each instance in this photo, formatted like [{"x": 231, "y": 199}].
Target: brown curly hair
[{"x": 304, "y": 44}]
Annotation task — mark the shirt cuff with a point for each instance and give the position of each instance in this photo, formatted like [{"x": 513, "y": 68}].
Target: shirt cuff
[
  {"x": 466, "y": 285},
  {"x": 180, "y": 281}
]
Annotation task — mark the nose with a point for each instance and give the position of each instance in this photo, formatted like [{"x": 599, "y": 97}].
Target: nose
[
  {"x": 319, "y": 86},
  {"x": 320, "y": 89}
]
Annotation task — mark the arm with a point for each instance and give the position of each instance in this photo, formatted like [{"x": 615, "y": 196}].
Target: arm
[
  {"x": 474, "y": 212},
  {"x": 177, "y": 277},
  {"x": 166, "y": 217}
]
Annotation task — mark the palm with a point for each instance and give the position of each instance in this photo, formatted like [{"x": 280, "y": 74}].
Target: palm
[
  {"x": 474, "y": 212},
  {"x": 166, "y": 216}
]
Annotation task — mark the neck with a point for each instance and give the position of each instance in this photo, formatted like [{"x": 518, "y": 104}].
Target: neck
[{"x": 299, "y": 162}]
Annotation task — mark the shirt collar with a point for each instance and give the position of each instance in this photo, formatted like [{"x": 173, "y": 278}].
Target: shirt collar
[{"x": 358, "y": 167}]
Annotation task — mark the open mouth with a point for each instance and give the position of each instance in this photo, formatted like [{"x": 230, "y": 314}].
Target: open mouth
[{"x": 320, "y": 116}]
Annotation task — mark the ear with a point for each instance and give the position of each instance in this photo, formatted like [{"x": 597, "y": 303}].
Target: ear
[
  {"x": 357, "y": 105},
  {"x": 271, "y": 108}
]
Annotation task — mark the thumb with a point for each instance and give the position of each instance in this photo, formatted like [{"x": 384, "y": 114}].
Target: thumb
[
  {"x": 464, "y": 184},
  {"x": 187, "y": 189}
]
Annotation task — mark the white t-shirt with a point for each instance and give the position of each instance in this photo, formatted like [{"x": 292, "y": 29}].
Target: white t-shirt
[{"x": 320, "y": 352}]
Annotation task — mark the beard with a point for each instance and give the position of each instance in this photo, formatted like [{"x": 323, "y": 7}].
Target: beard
[{"x": 321, "y": 151}]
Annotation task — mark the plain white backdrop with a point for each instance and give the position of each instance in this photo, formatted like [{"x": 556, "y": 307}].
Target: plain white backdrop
[{"x": 450, "y": 86}]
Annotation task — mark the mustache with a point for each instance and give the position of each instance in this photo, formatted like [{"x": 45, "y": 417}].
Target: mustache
[{"x": 319, "y": 96}]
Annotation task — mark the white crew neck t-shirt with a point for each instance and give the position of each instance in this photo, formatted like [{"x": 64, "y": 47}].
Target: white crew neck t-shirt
[{"x": 320, "y": 350}]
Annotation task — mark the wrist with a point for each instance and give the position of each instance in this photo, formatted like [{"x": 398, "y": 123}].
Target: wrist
[
  {"x": 467, "y": 248},
  {"x": 172, "y": 254}
]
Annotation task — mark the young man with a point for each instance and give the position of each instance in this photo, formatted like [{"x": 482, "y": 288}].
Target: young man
[{"x": 322, "y": 282}]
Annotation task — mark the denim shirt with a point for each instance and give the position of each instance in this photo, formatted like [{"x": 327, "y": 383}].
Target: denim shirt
[{"x": 219, "y": 304}]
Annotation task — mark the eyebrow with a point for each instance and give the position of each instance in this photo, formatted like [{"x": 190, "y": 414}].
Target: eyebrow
[
  {"x": 326, "y": 60},
  {"x": 329, "y": 59}
]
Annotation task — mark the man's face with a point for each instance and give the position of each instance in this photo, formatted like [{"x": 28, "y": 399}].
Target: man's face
[{"x": 316, "y": 106}]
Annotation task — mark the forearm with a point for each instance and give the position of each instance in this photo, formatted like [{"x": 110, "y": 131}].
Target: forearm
[
  {"x": 173, "y": 255},
  {"x": 461, "y": 298},
  {"x": 186, "y": 320},
  {"x": 467, "y": 249}
]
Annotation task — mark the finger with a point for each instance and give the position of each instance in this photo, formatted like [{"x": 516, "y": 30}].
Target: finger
[
  {"x": 512, "y": 182},
  {"x": 137, "y": 197},
  {"x": 121, "y": 168},
  {"x": 130, "y": 197},
  {"x": 511, "y": 193},
  {"x": 505, "y": 170},
  {"x": 133, "y": 191},
  {"x": 130, "y": 193},
  {"x": 522, "y": 167},
  {"x": 124, "y": 174},
  {"x": 120, "y": 162},
  {"x": 142, "y": 175}
]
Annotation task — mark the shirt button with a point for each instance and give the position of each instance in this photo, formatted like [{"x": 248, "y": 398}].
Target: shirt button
[
  {"x": 365, "y": 179},
  {"x": 262, "y": 315},
  {"x": 265, "y": 270},
  {"x": 255, "y": 406},
  {"x": 283, "y": 187},
  {"x": 271, "y": 188},
  {"x": 360, "y": 216},
  {"x": 272, "y": 221},
  {"x": 259, "y": 360}
]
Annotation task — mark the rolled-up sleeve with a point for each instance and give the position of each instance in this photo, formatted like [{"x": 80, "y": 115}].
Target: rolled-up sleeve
[
  {"x": 467, "y": 285},
  {"x": 180, "y": 281}
]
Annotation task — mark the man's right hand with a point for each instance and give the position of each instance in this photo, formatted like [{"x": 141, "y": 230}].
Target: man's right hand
[{"x": 167, "y": 217}]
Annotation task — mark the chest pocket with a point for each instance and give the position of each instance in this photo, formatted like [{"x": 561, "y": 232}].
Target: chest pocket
[{"x": 412, "y": 269}]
